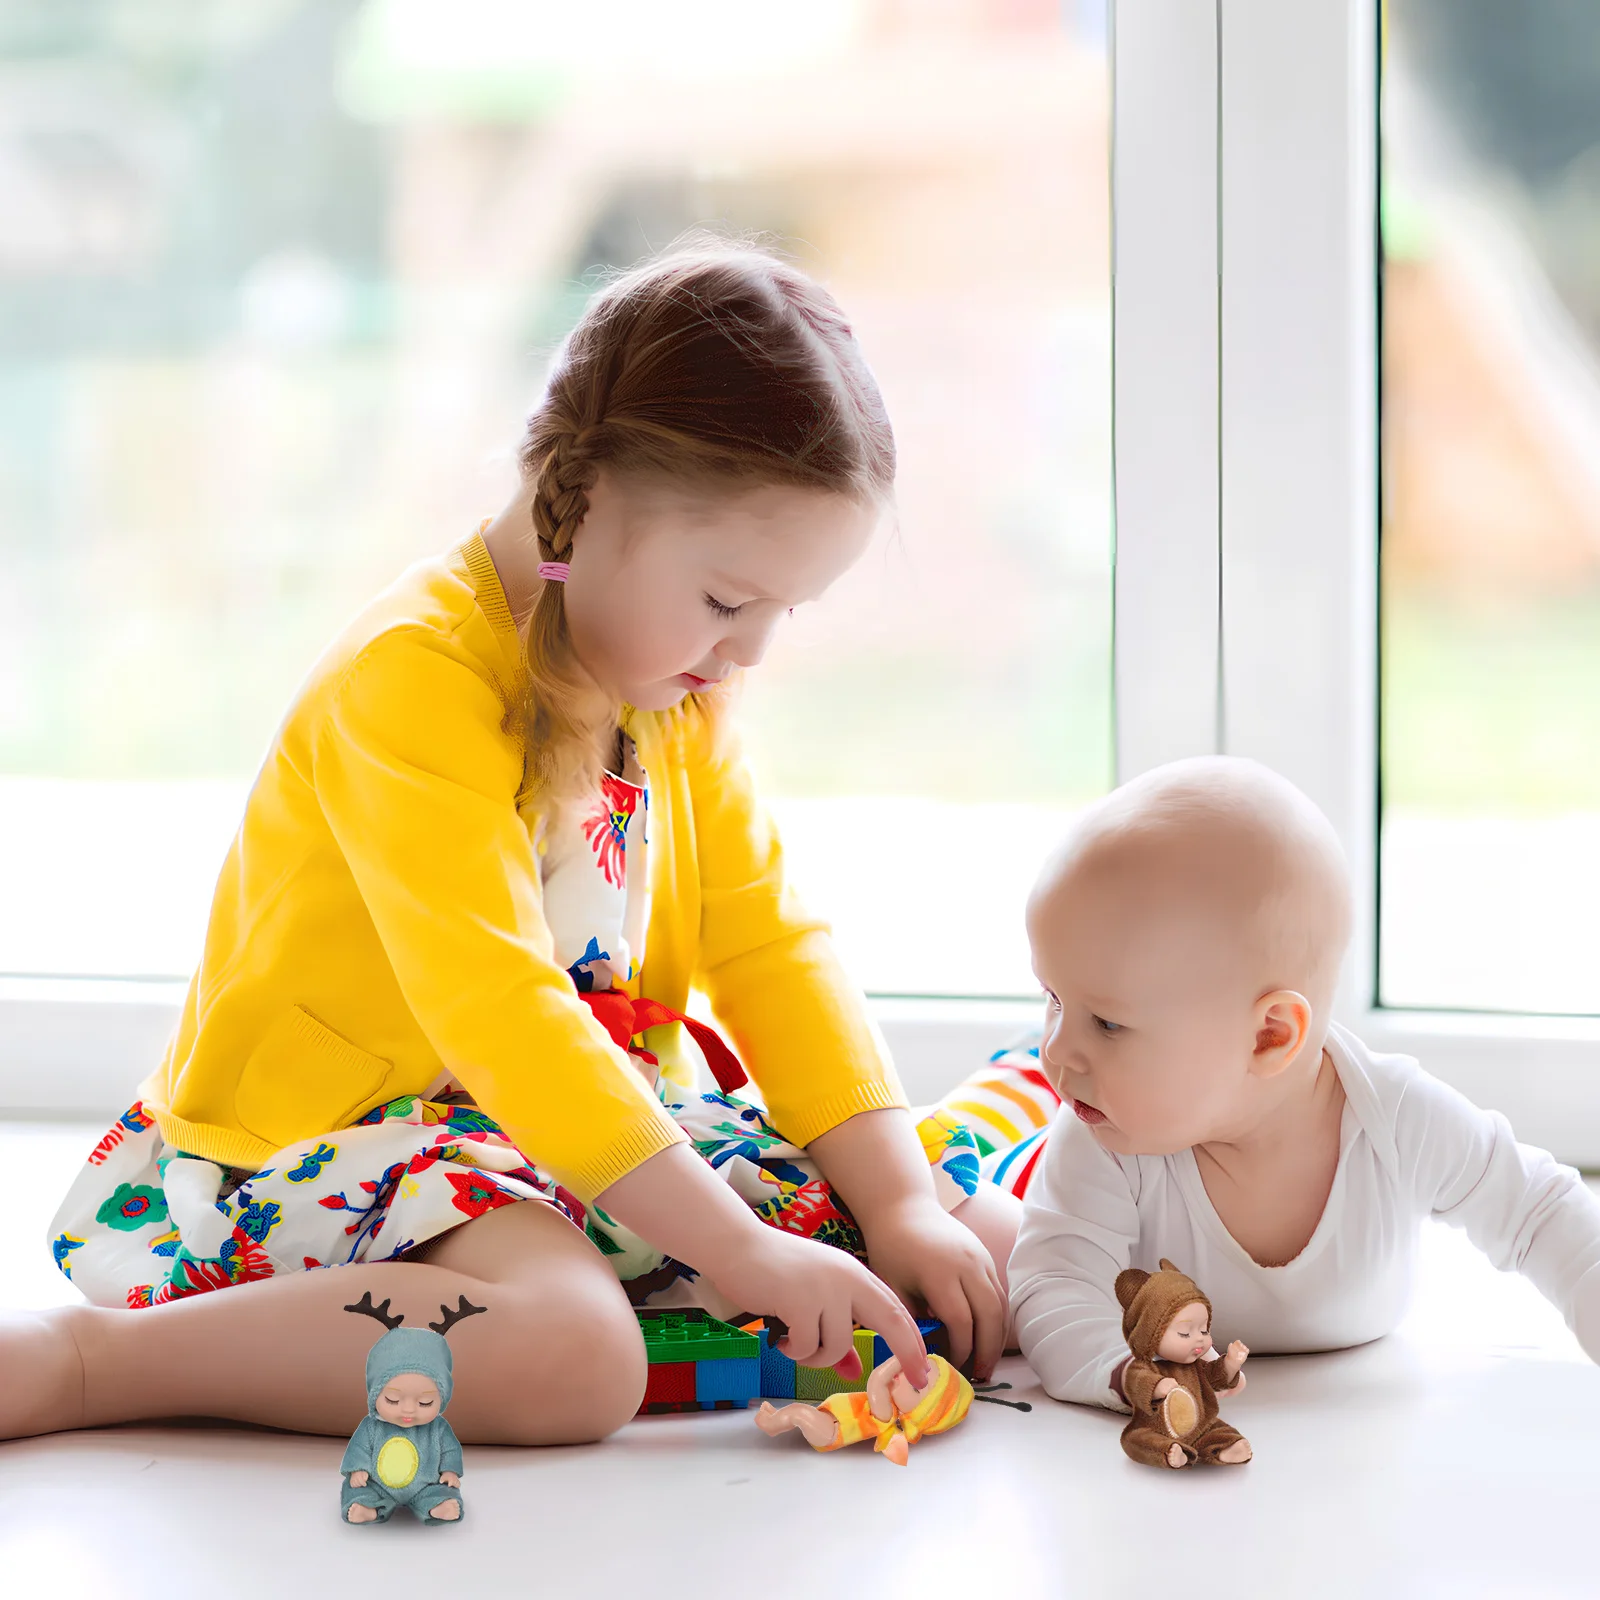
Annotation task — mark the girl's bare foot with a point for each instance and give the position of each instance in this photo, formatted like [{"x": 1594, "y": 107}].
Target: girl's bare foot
[
  {"x": 447, "y": 1510},
  {"x": 1177, "y": 1456},
  {"x": 361, "y": 1513},
  {"x": 1237, "y": 1453},
  {"x": 43, "y": 1387}
]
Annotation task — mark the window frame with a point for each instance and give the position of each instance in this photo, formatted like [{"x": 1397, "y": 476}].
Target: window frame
[{"x": 1297, "y": 370}]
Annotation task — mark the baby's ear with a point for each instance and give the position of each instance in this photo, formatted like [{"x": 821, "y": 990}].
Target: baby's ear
[{"x": 1129, "y": 1282}]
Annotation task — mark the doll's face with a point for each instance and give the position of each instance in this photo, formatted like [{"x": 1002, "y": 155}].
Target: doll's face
[
  {"x": 1188, "y": 1337},
  {"x": 408, "y": 1400}
]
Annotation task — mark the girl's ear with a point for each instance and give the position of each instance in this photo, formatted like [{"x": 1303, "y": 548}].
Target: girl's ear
[{"x": 1283, "y": 1025}]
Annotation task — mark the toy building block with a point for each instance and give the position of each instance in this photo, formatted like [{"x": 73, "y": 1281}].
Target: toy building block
[
  {"x": 777, "y": 1370},
  {"x": 817, "y": 1383},
  {"x": 935, "y": 1339},
  {"x": 736, "y": 1381},
  {"x": 690, "y": 1335},
  {"x": 670, "y": 1383}
]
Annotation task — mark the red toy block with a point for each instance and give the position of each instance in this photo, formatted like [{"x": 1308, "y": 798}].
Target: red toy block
[{"x": 670, "y": 1383}]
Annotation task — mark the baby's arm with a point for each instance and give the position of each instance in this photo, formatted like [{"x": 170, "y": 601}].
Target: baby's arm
[
  {"x": 1079, "y": 1228},
  {"x": 1518, "y": 1204}
]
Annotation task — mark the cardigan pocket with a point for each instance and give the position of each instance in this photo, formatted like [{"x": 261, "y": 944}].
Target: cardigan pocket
[{"x": 303, "y": 1079}]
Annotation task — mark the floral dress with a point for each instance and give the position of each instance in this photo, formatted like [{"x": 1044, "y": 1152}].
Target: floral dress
[{"x": 144, "y": 1223}]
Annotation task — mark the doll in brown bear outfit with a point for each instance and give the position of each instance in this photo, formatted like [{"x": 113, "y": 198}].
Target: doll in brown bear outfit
[{"x": 1173, "y": 1379}]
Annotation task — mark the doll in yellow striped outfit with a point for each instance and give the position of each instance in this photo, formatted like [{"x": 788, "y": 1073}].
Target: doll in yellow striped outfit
[{"x": 891, "y": 1412}]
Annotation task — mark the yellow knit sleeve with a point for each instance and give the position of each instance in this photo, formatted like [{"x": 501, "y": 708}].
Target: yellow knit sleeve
[
  {"x": 769, "y": 969},
  {"x": 418, "y": 783}
]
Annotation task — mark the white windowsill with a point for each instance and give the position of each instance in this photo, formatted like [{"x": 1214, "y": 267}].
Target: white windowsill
[{"x": 79, "y": 1047}]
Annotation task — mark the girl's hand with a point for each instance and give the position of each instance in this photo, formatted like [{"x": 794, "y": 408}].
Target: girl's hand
[
  {"x": 451, "y": 1479},
  {"x": 358, "y": 1480},
  {"x": 822, "y": 1294},
  {"x": 926, "y": 1256},
  {"x": 679, "y": 1205}
]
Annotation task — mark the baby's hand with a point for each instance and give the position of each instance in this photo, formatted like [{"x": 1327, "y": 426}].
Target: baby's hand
[
  {"x": 1238, "y": 1354},
  {"x": 451, "y": 1479},
  {"x": 1163, "y": 1389},
  {"x": 358, "y": 1480}
]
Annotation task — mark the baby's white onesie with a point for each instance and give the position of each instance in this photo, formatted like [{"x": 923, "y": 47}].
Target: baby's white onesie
[{"x": 1410, "y": 1147}]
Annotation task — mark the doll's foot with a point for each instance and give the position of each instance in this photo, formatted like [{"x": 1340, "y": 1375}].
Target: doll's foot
[
  {"x": 39, "y": 1355},
  {"x": 768, "y": 1420},
  {"x": 361, "y": 1513},
  {"x": 447, "y": 1511},
  {"x": 1177, "y": 1456},
  {"x": 897, "y": 1450},
  {"x": 1236, "y": 1454}
]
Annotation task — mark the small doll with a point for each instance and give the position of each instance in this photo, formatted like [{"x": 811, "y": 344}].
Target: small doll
[
  {"x": 1174, "y": 1378},
  {"x": 890, "y": 1412},
  {"x": 404, "y": 1453}
]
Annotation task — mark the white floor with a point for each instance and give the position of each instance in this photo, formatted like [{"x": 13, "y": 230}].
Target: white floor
[{"x": 1459, "y": 1458}]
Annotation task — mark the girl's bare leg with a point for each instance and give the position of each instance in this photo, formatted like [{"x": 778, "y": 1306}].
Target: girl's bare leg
[{"x": 556, "y": 1360}]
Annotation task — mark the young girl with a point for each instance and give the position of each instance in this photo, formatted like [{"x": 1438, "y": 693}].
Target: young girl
[{"x": 434, "y": 1041}]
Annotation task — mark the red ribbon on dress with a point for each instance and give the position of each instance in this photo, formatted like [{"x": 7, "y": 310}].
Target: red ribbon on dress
[{"x": 623, "y": 1017}]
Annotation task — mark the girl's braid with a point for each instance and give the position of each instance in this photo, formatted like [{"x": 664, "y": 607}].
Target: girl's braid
[{"x": 561, "y": 492}]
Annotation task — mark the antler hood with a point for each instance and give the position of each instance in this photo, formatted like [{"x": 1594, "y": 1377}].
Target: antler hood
[
  {"x": 409, "y": 1350},
  {"x": 1150, "y": 1300}
]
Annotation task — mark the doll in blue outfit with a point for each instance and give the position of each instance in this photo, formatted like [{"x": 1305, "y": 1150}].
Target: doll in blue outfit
[{"x": 404, "y": 1453}]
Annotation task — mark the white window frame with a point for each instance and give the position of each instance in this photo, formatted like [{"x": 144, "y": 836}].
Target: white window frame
[
  {"x": 1244, "y": 158},
  {"x": 1295, "y": 543}
]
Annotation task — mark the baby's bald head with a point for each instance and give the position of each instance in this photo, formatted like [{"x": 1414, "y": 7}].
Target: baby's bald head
[
  {"x": 1178, "y": 902},
  {"x": 1227, "y": 853}
]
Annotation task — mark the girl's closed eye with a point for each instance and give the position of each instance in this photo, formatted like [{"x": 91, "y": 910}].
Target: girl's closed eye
[{"x": 720, "y": 609}]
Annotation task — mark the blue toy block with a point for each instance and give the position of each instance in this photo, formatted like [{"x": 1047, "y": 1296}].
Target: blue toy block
[
  {"x": 736, "y": 1379},
  {"x": 935, "y": 1339},
  {"x": 777, "y": 1370}
]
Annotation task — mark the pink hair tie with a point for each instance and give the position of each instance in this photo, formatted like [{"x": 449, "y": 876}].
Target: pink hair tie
[{"x": 554, "y": 571}]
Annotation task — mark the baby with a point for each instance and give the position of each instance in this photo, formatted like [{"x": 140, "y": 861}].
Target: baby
[{"x": 1189, "y": 937}]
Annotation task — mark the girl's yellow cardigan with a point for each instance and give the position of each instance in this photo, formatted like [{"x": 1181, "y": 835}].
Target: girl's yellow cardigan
[{"x": 378, "y": 919}]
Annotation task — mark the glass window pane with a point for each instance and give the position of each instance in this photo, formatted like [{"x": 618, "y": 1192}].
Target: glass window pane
[
  {"x": 1491, "y": 554},
  {"x": 276, "y": 292}
]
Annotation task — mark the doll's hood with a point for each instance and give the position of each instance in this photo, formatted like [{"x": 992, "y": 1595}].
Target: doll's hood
[
  {"x": 409, "y": 1350},
  {"x": 1150, "y": 1300}
]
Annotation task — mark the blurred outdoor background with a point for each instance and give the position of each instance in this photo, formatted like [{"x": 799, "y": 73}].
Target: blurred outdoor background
[
  {"x": 279, "y": 280},
  {"x": 278, "y": 283},
  {"x": 1491, "y": 553}
]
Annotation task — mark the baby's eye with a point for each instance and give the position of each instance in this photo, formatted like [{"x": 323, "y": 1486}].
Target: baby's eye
[
  {"x": 720, "y": 609},
  {"x": 1050, "y": 1000},
  {"x": 1107, "y": 1027}
]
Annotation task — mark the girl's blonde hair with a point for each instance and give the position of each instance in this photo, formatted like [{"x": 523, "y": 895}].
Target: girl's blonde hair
[{"x": 717, "y": 364}]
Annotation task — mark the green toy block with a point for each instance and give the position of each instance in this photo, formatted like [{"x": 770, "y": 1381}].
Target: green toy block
[
  {"x": 691, "y": 1335},
  {"x": 817, "y": 1383}
]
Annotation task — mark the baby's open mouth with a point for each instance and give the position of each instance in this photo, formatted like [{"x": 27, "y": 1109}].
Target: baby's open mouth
[{"x": 1087, "y": 1113}]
